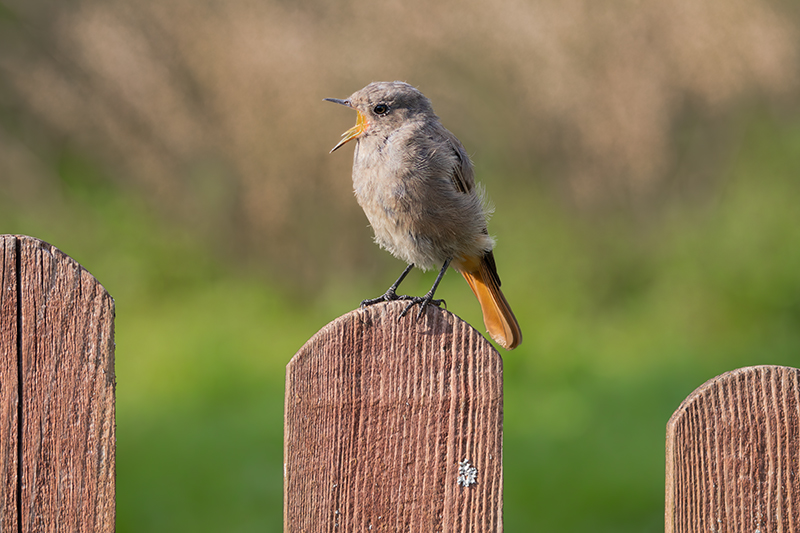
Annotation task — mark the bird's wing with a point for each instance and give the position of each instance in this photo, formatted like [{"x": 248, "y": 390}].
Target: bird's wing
[
  {"x": 462, "y": 175},
  {"x": 464, "y": 180}
]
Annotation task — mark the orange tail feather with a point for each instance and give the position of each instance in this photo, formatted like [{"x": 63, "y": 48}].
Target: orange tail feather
[{"x": 500, "y": 321}]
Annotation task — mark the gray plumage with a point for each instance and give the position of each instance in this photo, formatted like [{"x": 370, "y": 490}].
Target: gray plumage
[{"x": 415, "y": 181}]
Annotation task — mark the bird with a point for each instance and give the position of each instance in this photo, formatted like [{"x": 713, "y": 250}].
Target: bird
[{"x": 416, "y": 184}]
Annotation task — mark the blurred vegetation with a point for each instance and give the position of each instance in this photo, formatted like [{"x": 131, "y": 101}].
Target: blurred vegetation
[{"x": 643, "y": 158}]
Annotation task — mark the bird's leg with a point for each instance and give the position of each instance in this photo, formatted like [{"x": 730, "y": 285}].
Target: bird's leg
[
  {"x": 423, "y": 301},
  {"x": 391, "y": 293}
]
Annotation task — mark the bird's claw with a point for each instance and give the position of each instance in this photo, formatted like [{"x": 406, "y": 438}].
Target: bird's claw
[
  {"x": 389, "y": 296},
  {"x": 423, "y": 302}
]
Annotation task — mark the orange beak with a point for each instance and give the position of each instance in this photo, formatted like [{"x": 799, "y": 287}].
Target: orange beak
[{"x": 355, "y": 131}]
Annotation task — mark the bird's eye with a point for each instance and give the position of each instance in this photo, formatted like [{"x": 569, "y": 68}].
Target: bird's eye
[{"x": 380, "y": 109}]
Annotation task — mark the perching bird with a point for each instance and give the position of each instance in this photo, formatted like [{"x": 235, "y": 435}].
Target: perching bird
[{"x": 416, "y": 185}]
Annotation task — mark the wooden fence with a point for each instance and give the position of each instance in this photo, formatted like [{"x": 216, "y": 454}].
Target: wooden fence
[
  {"x": 57, "y": 433},
  {"x": 397, "y": 425},
  {"x": 733, "y": 455},
  {"x": 390, "y": 425},
  {"x": 394, "y": 426}
]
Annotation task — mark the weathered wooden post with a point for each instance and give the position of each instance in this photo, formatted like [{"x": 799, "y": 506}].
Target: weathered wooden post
[
  {"x": 733, "y": 455},
  {"x": 394, "y": 425},
  {"x": 57, "y": 433}
]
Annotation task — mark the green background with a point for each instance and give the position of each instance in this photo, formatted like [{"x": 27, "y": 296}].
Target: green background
[{"x": 638, "y": 269}]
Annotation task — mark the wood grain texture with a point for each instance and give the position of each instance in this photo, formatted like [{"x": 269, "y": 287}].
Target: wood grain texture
[
  {"x": 733, "y": 448},
  {"x": 380, "y": 412},
  {"x": 65, "y": 369},
  {"x": 9, "y": 380}
]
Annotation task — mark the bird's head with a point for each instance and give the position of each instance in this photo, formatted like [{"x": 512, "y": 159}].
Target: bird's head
[{"x": 382, "y": 107}]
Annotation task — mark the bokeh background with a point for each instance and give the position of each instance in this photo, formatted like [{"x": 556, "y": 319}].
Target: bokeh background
[{"x": 643, "y": 158}]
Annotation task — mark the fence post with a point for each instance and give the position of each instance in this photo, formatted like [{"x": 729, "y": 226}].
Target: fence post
[
  {"x": 394, "y": 425},
  {"x": 733, "y": 455},
  {"x": 57, "y": 432}
]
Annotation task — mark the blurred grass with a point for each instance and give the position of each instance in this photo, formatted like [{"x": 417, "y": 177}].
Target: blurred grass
[
  {"x": 643, "y": 160},
  {"x": 623, "y": 314}
]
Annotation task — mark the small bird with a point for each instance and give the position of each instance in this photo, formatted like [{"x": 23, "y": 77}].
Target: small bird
[{"x": 416, "y": 185}]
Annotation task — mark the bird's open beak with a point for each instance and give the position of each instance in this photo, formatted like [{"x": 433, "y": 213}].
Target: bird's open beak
[{"x": 355, "y": 131}]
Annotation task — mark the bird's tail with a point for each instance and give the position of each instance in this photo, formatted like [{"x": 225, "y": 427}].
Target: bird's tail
[{"x": 500, "y": 321}]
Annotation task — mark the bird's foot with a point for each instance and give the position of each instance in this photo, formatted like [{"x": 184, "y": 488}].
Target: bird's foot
[
  {"x": 423, "y": 302},
  {"x": 389, "y": 296}
]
